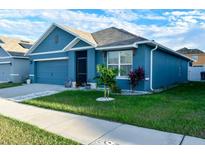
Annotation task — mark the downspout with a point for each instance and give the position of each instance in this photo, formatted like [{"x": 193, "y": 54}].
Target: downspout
[{"x": 151, "y": 66}]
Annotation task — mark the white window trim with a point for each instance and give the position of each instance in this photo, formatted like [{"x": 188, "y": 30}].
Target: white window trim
[
  {"x": 48, "y": 52},
  {"x": 49, "y": 59},
  {"x": 81, "y": 48},
  {"x": 119, "y": 64}
]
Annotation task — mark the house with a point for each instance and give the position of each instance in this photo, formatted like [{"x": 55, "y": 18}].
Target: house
[
  {"x": 65, "y": 54},
  {"x": 197, "y": 55},
  {"x": 14, "y": 66}
]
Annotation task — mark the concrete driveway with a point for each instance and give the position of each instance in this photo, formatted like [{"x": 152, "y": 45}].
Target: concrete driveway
[{"x": 30, "y": 91}]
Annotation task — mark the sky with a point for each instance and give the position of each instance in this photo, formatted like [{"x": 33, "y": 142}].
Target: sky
[{"x": 173, "y": 28}]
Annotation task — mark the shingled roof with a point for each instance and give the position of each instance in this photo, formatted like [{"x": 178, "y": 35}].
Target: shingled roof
[
  {"x": 114, "y": 37},
  {"x": 190, "y": 51},
  {"x": 84, "y": 35},
  {"x": 15, "y": 46}
]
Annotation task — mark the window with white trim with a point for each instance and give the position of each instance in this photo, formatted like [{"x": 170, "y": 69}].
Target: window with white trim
[{"x": 121, "y": 60}]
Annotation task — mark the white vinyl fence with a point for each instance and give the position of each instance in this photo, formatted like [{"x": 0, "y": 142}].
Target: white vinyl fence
[{"x": 194, "y": 73}]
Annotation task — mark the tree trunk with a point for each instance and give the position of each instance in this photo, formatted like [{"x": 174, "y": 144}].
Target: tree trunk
[{"x": 105, "y": 91}]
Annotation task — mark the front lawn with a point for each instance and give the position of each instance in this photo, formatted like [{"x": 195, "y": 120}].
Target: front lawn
[
  {"x": 7, "y": 85},
  {"x": 15, "y": 132},
  {"x": 180, "y": 109}
]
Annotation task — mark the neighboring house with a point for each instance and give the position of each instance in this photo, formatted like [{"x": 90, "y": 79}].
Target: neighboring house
[
  {"x": 66, "y": 54},
  {"x": 14, "y": 66},
  {"x": 197, "y": 55}
]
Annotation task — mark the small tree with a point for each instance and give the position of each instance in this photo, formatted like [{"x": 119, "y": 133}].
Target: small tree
[
  {"x": 135, "y": 76},
  {"x": 106, "y": 77}
]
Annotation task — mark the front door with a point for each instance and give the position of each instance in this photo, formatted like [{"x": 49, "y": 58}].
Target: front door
[{"x": 81, "y": 67}]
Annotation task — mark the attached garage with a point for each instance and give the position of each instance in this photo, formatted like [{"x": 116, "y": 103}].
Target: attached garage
[
  {"x": 5, "y": 70},
  {"x": 52, "y": 71}
]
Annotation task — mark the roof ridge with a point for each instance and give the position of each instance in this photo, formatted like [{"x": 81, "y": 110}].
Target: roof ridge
[
  {"x": 122, "y": 30},
  {"x": 18, "y": 39}
]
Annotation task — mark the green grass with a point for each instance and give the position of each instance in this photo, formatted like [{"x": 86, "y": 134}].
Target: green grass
[
  {"x": 7, "y": 85},
  {"x": 16, "y": 132},
  {"x": 180, "y": 109}
]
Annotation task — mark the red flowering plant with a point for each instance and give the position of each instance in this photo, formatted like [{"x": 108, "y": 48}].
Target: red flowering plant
[{"x": 135, "y": 76}]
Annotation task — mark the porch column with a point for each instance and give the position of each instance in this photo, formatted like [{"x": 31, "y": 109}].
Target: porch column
[
  {"x": 91, "y": 66},
  {"x": 71, "y": 66}
]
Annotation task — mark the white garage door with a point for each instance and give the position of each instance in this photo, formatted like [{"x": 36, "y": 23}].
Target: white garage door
[{"x": 5, "y": 72}]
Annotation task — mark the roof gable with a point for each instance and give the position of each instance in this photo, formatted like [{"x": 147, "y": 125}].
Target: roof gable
[
  {"x": 81, "y": 44},
  {"x": 3, "y": 53},
  {"x": 85, "y": 36},
  {"x": 55, "y": 41},
  {"x": 190, "y": 51}
]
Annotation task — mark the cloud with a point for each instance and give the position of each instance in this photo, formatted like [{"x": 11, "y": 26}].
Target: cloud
[{"x": 179, "y": 28}]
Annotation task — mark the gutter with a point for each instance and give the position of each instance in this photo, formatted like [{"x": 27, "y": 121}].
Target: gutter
[
  {"x": 151, "y": 66},
  {"x": 135, "y": 45},
  {"x": 168, "y": 49},
  {"x": 117, "y": 47}
]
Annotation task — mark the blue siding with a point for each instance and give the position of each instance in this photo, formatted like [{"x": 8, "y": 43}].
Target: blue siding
[
  {"x": 49, "y": 43},
  {"x": 168, "y": 69},
  {"x": 91, "y": 66},
  {"x": 3, "y": 53},
  {"x": 139, "y": 59},
  {"x": 72, "y": 66},
  {"x": 81, "y": 44},
  {"x": 100, "y": 57}
]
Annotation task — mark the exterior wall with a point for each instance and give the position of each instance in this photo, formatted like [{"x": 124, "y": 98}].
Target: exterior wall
[
  {"x": 168, "y": 69},
  {"x": 3, "y": 53},
  {"x": 72, "y": 66},
  {"x": 5, "y": 69},
  {"x": 140, "y": 58},
  {"x": 20, "y": 70},
  {"x": 91, "y": 66},
  {"x": 200, "y": 61},
  {"x": 32, "y": 63},
  {"x": 49, "y": 43}
]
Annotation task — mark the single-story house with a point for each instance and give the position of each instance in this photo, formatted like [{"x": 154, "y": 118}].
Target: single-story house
[
  {"x": 14, "y": 66},
  {"x": 197, "y": 55},
  {"x": 65, "y": 54}
]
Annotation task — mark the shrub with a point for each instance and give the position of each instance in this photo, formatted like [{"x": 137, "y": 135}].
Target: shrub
[
  {"x": 106, "y": 77},
  {"x": 135, "y": 76}
]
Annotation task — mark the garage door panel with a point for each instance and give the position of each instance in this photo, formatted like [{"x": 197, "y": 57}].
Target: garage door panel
[
  {"x": 5, "y": 72},
  {"x": 52, "y": 72}
]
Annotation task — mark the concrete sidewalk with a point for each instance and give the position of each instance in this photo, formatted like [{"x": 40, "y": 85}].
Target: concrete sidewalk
[{"x": 88, "y": 130}]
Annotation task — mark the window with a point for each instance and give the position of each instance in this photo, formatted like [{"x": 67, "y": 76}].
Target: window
[
  {"x": 195, "y": 57},
  {"x": 121, "y": 60}
]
